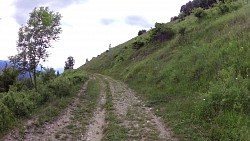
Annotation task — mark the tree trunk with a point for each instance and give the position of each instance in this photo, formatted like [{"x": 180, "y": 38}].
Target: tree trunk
[
  {"x": 31, "y": 79},
  {"x": 34, "y": 76}
]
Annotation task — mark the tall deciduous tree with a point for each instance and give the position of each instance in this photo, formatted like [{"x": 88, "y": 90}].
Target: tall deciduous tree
[
  {"x": 35, "y": 38},
  {"x": 69, "y": 64}
]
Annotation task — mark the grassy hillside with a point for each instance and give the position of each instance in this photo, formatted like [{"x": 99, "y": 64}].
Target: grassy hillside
[{"x": 197, "y": 80}]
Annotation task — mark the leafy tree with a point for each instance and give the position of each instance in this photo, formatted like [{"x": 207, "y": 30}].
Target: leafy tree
[
  {"x": 69, "y": 64},
  {"x": 48, "y": 74},
  {"x": 7, "y": 77},
  {"x": 20, "y": 64},
  {"x": 35, "y": 38},
  {"x": 189, "y": 6}
]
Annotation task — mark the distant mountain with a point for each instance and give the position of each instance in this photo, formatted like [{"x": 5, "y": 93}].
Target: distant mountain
[
  {"x": 25, "y": 75},
  {"x": 3, "y": 63},
  {"x": 61, "y": 70}
]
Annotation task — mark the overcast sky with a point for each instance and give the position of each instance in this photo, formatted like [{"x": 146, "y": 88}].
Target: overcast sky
[{"x": 89, "y": 26}]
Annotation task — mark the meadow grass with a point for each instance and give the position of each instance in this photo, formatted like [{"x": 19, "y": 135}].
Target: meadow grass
[{"x": 203, "y": 73}]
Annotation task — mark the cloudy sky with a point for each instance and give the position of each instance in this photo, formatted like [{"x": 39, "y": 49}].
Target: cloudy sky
[{"x": 89, "y": 26}]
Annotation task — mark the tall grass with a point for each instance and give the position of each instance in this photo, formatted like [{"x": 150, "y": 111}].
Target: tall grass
[
  {"x": 20, "y": 104},
  {"x": 198, "y": 81}
]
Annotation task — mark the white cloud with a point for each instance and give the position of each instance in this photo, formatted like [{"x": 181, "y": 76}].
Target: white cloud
[
  {"x": 24, "y": 7},
  {"x": 88, "y": 27}
]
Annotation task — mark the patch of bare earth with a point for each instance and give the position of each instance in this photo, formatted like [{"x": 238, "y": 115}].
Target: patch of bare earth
[
  {"x": 48, "y": 130},
  {"x": 97, "y": 123},
  {"x": 142, "y": 123}
]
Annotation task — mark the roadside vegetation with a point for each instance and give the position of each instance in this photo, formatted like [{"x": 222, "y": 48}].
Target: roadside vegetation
[
  {"x": 42, "y": 94},
  {"x": 193, "y": 71},
  {"x": 20, "y": 103}
]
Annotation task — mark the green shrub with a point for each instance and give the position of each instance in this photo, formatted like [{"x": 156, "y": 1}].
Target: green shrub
[
  {"x": 44, "y": 95},
  {"x": 182, "y": 31},
  {"x": 18, "y": 103},
  {"x": 7, "y": 77},
  {"x": 6, "y": 117},
  {"x": 24, "y": 85},
  {"x": 137, "y": 45},
  {"x": 223, "y": 8},
  {"x": 181, "y": 17},
  {"x": 142, "y": 32},
  {"x": 60, "y": 87},
  {"x": 199, "y": 13},
  {"x": 161, "y": 33},
  {"x": 48, "y": 74}
]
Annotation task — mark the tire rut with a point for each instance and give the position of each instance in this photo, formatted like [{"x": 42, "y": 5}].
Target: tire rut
[
  {"x": 142, "y": 123},
  {"x": 95, "y": 129}
]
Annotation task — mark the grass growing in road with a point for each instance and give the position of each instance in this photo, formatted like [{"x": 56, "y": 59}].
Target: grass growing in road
[
  {"x": 114, "y": 130},
  {"x": 83, "y": 113}
]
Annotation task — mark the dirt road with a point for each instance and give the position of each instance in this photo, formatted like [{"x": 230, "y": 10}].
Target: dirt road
[{"x": 139, "y": 121}]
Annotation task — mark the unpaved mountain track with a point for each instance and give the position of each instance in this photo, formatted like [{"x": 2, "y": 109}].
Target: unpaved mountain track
[{"x": 139, "y": 119}]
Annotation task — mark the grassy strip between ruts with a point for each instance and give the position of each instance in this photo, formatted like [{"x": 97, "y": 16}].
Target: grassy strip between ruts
[
  {"x": 114, "y": 131},
  {"x": 83, "y": 113}
]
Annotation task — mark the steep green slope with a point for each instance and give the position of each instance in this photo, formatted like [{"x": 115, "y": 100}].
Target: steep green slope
[{"x": 197, "y": 81}]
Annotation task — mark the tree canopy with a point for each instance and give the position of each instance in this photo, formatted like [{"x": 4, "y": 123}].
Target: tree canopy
[
  {"x": 69, "y": 64},
  {"x": 35, "y": 38}
]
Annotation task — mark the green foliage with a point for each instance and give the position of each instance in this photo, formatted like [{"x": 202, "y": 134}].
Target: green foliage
[
  {"x": 182, "y": 31},
  {"x": 225, "y": 107},
  {"x": 142, "y": 32},
  {"x": 138, "y": 44},
  {"x": 224, "y": 8},
  {"x": 228, "y": 94},
  {"x": 35, "y": 38},
  {"x": 6, "y": 117},
  {"x": 48, "y": 74},
  {"x": 60, "y": 87},
  {"x": 199, "y": 13},
  {"x": 69, "y": 64},
  {"x": 161, "y": 33},
  {"x": 24, "y": 85},
  {"x": 181, "y": 16},
  {"x": 20, "y": 102},
  {"x": 174, "y": 77},
  {"x": 191, "y": 5},
  {"x": 7, "y": 77}
]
